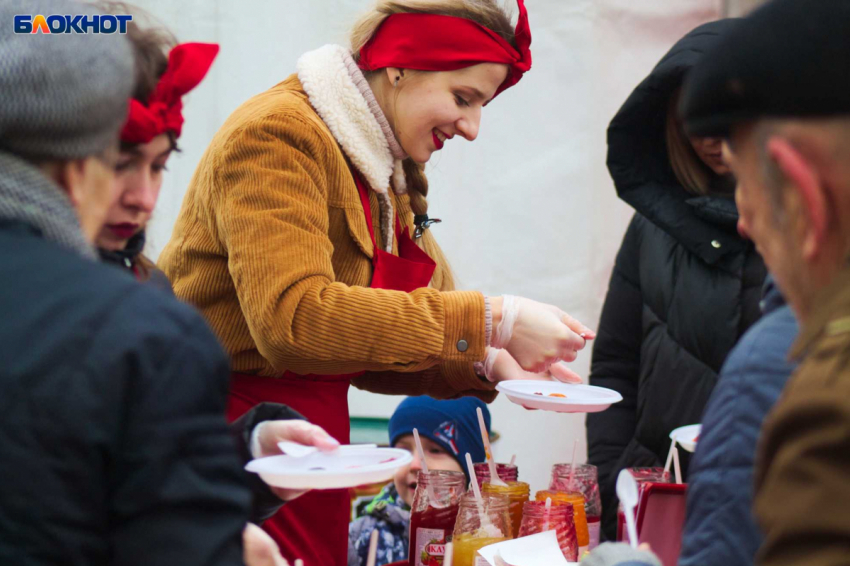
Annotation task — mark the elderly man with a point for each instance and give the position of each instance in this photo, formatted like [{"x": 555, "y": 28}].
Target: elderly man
[{"x": 779, "y": 89}]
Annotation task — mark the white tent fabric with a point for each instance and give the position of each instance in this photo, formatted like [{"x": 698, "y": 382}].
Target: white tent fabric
[{"x": 528, "y": 209}]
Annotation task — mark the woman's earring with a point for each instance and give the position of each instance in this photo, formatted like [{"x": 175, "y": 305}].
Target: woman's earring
[{"x": 395, "y": 84}]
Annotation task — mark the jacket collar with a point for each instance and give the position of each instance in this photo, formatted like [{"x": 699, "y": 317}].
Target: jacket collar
[
  {"x": 330, "y": 77},
  {"x": 126, "y": 257}
]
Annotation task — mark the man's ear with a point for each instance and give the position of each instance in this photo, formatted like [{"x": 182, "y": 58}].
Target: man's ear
[{"x": 807, "y": 185}]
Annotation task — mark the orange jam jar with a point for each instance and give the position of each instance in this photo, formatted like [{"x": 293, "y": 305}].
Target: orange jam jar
[
  {"x": 577, "y": 501},
  {"x": 517, "y": 493}
]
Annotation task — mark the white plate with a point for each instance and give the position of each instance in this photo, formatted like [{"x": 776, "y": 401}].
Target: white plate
[
  {"x": 578, "y": 398},
  {"x": 331, "y": 470},
  {"x": 686, "y": 436}
]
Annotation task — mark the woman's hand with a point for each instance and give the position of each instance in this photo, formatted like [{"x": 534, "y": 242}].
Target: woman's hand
[
  {"x": 259, "y": 549},
  {"x": 267, "y": 434},
  {"x": 500, "y": 366},
  {"x": 535, "y": 334}
]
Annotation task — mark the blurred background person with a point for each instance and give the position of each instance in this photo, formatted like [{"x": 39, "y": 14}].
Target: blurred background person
[{"x": 685, "y": 285}]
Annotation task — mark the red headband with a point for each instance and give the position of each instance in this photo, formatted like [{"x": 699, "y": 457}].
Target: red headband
[
  {"x": 188, "y": 63},
  {"x": 430, "y": 42}
]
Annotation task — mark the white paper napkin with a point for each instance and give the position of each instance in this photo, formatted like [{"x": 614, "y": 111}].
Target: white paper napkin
[{"x": 541, "y": 549}]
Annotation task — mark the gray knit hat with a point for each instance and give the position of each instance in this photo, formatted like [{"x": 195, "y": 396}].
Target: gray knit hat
[{"x": 64, "y": 95}]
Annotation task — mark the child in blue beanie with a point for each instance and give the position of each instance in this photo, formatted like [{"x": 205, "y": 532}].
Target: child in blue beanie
[{"x": 448, "y": 430}]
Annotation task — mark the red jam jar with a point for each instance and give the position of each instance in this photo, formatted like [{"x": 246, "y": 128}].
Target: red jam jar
[{"x": 433, "y": 515}]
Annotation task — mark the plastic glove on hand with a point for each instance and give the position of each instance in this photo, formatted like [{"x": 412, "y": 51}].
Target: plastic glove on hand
[
  {"x": 538, "y": 335},
  {"x": 500, "y": 366}
]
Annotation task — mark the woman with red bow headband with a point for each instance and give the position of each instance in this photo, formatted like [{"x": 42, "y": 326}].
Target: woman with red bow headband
[
  {"x": 148, "y": 139},
  {"x": 303, "y": 236}
]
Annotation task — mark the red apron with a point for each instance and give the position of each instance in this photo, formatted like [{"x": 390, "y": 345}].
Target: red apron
[{"x": 314, "y": 527}]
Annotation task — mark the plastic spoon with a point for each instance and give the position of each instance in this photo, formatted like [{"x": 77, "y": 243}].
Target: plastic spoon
[
  {"x": 494, "y": 476},
  {"x": 572, "y": 467},
  {"x": 627, "y": 491},
  {"x": 513, "y": 460},
  {"x": 300, "y": 450},
  {"x": 373, "y": 549},
  {"x": 447, "y": 559},
  {"x": 670, "y": 456},
  {"x": 548, "y": 512},
  {"x": 676, "y": 465},
  {"x": 489, "y": 529},
  {"x": 432, "y": 497}
]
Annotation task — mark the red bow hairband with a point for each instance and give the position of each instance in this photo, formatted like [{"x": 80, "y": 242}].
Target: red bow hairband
[
  {"x": 430, "y": 42},
  {"x": 188, "y": 63}
]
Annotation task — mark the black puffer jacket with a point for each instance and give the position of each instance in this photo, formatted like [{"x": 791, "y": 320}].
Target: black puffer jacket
[{"x": 685, "y": 287}]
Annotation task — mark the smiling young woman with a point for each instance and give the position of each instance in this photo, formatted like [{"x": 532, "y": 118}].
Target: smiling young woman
[{"x": 303, "y": 239}]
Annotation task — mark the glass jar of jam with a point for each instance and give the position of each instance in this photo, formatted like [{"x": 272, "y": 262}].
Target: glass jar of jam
[
  {"x": 507, "y": 472},
  {"x": 432, "y": 515},
  {"x": 517, "y": 493},
  {"x": 471, "y": 533},
  {"x": 643, "y": 477},
  {"x": 576, "y": 501},
  {"x": 585, "y": 481},
  {"x": 535, "y": 520}
]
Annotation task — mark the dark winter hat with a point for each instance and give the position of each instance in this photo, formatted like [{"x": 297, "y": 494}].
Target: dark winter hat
[
  {"x": 788, "y": 58},
  {"x": 452, "y": 424},
  {"x": 64, "y": 95}
]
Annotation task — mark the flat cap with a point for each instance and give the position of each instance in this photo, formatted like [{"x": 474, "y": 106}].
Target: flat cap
[
  {"x": 789, "y": 58},
  {"x": 64, "y": 95}
]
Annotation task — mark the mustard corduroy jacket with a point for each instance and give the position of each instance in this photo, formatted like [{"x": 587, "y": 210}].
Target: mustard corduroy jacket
[{"x": 272, "y": 246}]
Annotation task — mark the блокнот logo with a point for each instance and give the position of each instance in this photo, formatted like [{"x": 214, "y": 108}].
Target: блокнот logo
[{"x": 90, "y": 23}]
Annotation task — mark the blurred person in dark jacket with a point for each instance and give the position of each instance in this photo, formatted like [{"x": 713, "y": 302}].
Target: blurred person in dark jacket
[{"x": 685, "y": 285}]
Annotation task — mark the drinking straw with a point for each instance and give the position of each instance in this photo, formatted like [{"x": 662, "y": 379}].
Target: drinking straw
[
  {"x": 494, "y": 476},
  {"x": 676, "y": 465},
  {"x": 572, "y": 467},
  {"x": 373, "y": 549},
  {"x": 548, "y": 511},
  {"x": 485, "y": 519},
  {"x": 447, "y": 559},
  {"x": 432, "y": 497},
  {"x": 513, "y": 460},
  {"x": 670, "y": 456}
]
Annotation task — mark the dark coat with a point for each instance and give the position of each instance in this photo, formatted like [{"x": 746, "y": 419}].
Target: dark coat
[
  {"x": 114, "y": 444},
  {"x": 684, "y": 288},
  {"x": 721, "y": 529},
  {"x": 132, "y": 262}
]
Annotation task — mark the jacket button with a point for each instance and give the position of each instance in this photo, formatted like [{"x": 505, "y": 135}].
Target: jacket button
[
  {"x": 462, "y": 346},
  {"x": 715, "y": 244}
]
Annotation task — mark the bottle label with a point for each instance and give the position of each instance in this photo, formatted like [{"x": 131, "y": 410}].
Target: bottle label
[
  {"x": 430, "y": 547},
  {"x": 593, "y": 530}
]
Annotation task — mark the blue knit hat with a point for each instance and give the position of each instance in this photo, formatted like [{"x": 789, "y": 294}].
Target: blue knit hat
[{"x": 453, "y": 424}]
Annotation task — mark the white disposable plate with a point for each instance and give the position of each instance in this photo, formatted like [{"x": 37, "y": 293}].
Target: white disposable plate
[
  {"x": 331, "y": 470},
  {"x": 536, "y": 394},
  {"x": 686, "y": 436}
]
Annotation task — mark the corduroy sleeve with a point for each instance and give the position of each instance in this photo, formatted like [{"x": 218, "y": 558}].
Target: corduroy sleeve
[{"x": 273, "y": 220}]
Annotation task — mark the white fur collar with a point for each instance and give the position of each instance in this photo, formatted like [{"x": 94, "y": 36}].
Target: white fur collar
[{"x": 326, "y": 75}]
